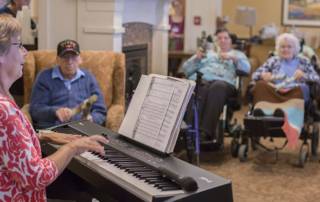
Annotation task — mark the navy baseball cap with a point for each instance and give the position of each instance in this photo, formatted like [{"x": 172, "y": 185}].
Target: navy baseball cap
[{"x": 68, "y": 46}]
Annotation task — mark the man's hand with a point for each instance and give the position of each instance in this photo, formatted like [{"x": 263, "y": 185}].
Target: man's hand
[
  {"x": 266, "y": 76},
  {"x": 64, "y": 114},
  {"x": 89, "y": 118}
]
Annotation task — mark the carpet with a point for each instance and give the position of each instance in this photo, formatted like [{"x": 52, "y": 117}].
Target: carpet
[{"x": 263, "y": 178}]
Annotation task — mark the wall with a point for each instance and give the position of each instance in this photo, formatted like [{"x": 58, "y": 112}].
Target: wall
[
  {"x": 34, "y": 9},
  {"x": 132, "y": 11},
  {"x": 94, "y": 23},
  {"x": 208, "y": 11},
  {"x": 268, "y": 11},
  {"x": 53, "y": 28}
]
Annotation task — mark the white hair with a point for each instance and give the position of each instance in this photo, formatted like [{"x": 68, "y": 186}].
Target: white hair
[{"x": 292, "y": 39}]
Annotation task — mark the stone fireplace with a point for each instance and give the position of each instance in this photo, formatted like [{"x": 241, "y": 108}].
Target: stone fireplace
[
  {"x": 136, "y": 65},
  {"x": 137, "y": 46}
]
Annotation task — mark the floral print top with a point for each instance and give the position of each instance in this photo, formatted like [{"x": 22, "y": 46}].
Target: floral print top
[
  {"x": 273, "y": 65},
  {"x": 24, "y": 174}
]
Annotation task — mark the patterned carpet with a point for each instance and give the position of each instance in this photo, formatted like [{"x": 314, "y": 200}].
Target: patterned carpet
[{"x": 263, "y": 178}]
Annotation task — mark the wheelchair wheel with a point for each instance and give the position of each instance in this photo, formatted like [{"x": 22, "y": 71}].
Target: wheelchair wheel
[
  {"x": 314, "y": 140},
  {"x": 243, "y": 152},
  {"x": 234, "y": 147},
  {"x": 303, "y": 155}
]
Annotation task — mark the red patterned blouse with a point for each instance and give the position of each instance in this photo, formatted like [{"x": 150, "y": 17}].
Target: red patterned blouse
[{"x": 24, "y": 174}]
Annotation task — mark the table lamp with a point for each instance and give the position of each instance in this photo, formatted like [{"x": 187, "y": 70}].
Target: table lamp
[{"x": 246, "y": 16}]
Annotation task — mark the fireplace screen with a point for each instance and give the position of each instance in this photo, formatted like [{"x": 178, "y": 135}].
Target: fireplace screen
[{"x": 136, "y": 65}]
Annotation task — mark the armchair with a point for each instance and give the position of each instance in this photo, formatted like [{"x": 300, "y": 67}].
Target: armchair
[{"x": 108, "y": 67}]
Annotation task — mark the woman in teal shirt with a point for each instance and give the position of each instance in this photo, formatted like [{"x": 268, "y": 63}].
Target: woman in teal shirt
[{"x": 219, "y": 79}]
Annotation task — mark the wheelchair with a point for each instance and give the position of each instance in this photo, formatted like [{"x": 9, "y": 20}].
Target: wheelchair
[
  {"x": 226, "y": 127},
  {"x": 257, "y": 127}
]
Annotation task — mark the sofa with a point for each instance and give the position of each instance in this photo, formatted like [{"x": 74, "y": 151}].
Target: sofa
[{"x": 108, "y": 67}]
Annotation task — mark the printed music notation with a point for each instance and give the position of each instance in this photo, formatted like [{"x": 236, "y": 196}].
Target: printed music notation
[{"x": 155, "y": 112}]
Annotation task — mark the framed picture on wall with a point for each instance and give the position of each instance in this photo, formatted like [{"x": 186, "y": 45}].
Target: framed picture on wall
[{"x": 301, "y": 13}]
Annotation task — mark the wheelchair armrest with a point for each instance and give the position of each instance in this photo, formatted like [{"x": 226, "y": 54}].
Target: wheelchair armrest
[
  {"x": 241, "y": 73},
  {"x": 314, "y": 63},
  {"x": 248, "y": 93},
  {"x": 315, "y": 97},
  {"x": 314, "y": 89},
  {"x": 181, "y": 75}
]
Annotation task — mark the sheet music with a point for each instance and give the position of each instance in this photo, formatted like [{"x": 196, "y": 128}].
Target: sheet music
[
  {"x": 129, "y": 122},
  {"x": 157, "y": 116},
  {"x": 174, "y": 137}
]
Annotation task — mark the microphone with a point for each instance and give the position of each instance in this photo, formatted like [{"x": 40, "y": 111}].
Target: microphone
[
  {"x": 187, "y": 183},
  {"x": 85, "y": 106}
]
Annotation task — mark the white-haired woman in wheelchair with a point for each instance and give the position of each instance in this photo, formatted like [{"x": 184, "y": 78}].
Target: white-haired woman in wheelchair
[
  {"x": 285, "y": 75},
  {"x": 281, "y": 84}
]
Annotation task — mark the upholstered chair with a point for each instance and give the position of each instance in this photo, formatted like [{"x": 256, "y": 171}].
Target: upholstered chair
[{"x": 108, "y": 67}]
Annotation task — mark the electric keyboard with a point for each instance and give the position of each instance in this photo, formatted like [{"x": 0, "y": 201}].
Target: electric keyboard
[{"x": 131, "y": 171}]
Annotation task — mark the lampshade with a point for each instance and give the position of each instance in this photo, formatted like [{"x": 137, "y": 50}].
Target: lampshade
[{"x": 245, "y": 16}]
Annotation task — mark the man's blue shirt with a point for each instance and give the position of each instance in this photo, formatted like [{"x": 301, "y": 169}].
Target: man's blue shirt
[
  {"x": 67, "y": 82},
  {"x": 51, "y": 92}
]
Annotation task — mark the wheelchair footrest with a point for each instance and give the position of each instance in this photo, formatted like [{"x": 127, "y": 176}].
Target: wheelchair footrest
[{"x": 264, "y": 126}]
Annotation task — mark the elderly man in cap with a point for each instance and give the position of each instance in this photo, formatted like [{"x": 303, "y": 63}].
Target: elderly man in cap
[{"x": 59, "y": 90}]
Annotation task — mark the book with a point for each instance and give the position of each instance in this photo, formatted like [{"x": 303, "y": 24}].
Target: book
[{"x": 156, "y": 111}]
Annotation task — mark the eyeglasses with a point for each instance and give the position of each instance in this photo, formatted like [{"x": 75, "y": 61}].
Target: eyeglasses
[{"x": 19, "y": 44}]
